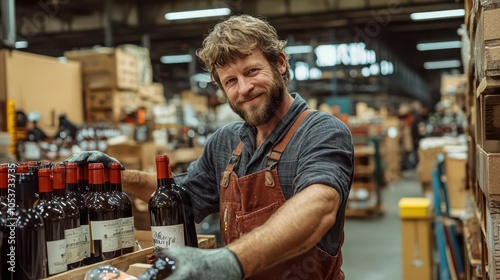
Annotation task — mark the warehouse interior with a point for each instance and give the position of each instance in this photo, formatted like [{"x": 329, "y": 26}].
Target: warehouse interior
[
  {"x": 53, "y": 27},
  {"x": 419, "y": 95}
]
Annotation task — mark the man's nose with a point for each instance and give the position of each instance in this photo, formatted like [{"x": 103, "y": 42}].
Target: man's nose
[{"x": 245, "y": 85}]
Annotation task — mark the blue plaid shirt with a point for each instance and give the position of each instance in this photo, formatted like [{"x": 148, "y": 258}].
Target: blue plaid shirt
[{"x": 320, "y": 152}]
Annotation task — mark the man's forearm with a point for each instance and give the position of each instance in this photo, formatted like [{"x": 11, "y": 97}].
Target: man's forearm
[
  {"x": 139, "y": 183},
  {"x": 295, "y": 228}
]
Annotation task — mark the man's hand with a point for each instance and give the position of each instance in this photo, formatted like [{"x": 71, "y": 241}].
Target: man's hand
[
  {"x": 193, "y": 263},
  {"x": 93, "y": 157}
]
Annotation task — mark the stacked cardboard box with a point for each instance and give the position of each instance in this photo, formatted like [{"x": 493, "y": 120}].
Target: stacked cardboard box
[
  {"x": 114, "y": 83},
  {"x": 106, "y": 73},
  {"x": 484, "y": 130},
  {"x": 151, "y": 95}
]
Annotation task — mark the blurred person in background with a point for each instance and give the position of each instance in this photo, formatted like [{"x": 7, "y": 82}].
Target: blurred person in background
[{"x": 280, "y": 178}]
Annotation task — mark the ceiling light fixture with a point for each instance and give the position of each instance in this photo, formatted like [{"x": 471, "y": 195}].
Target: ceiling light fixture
[
  {"x": 439, "y": 45},
  {"x": 198, "y": 14},
  {"x": 442, "y": 64},
  {"x": 298, "y": 49},
  {"x": 438, "y": 14},
  {"x": 173, "y": 59}
]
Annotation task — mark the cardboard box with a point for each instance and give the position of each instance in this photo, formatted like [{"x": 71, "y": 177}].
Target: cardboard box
[
  {"x": 129, "y": 101},
  {"x": 43, "y": 84},
  {"x": 107, "y": 68},
  {"x": 486, "y": 51},
  {"x": 109, "y": 104},
  {"x": 103, "y": 115},
  {"x": 141, "y": 155},
  {"x": 416, "y": 238},
  {"x": 426, "y": 163},
  {"x": 492, "y": 250},
  {"x": 490, "y": 24},
  {"x": 488, "y": 172},
  {"x": 455, "y": 179},
  {"x": 451, "y": 84},
  {"x": 122, "y": 263},
  {"x": 487, "y": 131},
  {"x": 102, "y": 99}
]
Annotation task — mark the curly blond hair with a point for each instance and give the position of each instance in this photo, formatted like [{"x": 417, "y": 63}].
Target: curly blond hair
[{"x": 235, "y": 38}]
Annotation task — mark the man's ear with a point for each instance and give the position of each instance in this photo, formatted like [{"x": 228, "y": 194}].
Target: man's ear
[{"x": 282, "y": 63}]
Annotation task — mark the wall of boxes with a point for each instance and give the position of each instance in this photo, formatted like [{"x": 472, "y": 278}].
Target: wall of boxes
[
  {"x": 482, "y": 104},
  {"x": 113, "y": 83}
]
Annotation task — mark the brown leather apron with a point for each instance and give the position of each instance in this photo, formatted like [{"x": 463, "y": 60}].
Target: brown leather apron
[{"x": 247, "y": 202}]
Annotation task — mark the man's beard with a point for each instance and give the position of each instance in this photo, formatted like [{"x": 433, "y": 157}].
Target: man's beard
[{"x": 257, "y": 115}]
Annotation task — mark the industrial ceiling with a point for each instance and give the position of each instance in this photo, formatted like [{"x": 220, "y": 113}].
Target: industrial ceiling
[{"x": 53, "y": 26}]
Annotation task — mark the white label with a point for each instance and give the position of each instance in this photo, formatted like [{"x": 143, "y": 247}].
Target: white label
[
  {"x": 85, "y": 241},
  {"x": 108, "y": 232},
  {"x": 56, "y": 256},
  {"x": 128, "y": 238},
  {"x": 74, "y": 244},
  {"x": 165, "y": 237}
]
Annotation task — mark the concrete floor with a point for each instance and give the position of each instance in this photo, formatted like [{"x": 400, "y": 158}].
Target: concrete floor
[{"x": 372, "y": 248}]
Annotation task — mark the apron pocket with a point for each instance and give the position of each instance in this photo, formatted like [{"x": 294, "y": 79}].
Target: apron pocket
[
  {"x": 228, "y": 223},
  {"x": 250, "y": 220}
]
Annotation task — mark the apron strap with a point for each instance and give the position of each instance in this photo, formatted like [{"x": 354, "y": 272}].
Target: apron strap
[
  {"x": 274, "y": 156},
  {"x": 233, "y": 163}
]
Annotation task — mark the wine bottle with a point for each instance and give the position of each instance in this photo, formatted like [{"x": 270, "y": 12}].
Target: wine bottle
[
  {"x": 83, "y": 179},
  {"x": 4, "y": 184},
  {"x": 190, "y": 235},
  {"x": 115, "y": 200},
  {"x": 76, "y": 196},
  {"x": 72, "y": 230},
  {"x": 33, "y": 167},
  {"x": 141, "y": 129},
  {"x": 165, "y": 211},
  {"x": 125, "y": 207},
  {"x": 105, "y": 226},
  {"x": 30, "y": 230},
  {"x": 53, "y": 218}
]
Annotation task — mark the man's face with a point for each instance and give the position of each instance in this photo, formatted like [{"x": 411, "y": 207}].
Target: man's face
[{"x": 253, "y": 87}]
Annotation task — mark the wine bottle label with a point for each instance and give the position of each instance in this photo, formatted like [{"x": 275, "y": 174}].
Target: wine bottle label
[
  {"x": 85, "y": 241},
  {"x": 56, "y": 256},
  {"x": 109, "y": 233},
  {"x": 165, "y": 237},
  {"x": 74, "y": 244},
  {"x": 128, "y": 238}
]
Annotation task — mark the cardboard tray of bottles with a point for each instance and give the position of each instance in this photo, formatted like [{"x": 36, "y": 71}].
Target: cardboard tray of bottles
[{"x": 123, "y": 262}]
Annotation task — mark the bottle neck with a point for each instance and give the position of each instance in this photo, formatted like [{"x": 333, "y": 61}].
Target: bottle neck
[
  {"x": 97, "y": 188},
  {"x": 45, "y": 195},
  {"x": 163, "y": 183},
  {"x": 72, "y": 187},
  {"x": 83, "y": 186},
  {"x": 58, "y": 193},
  {"x": 25, "y": 189},
  {"x": 115, "y": 187}
]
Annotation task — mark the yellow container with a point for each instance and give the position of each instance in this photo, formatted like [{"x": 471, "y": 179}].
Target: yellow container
[
  {"x": 416, "y": 238},
  {"x": 414, "y": 207}
]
